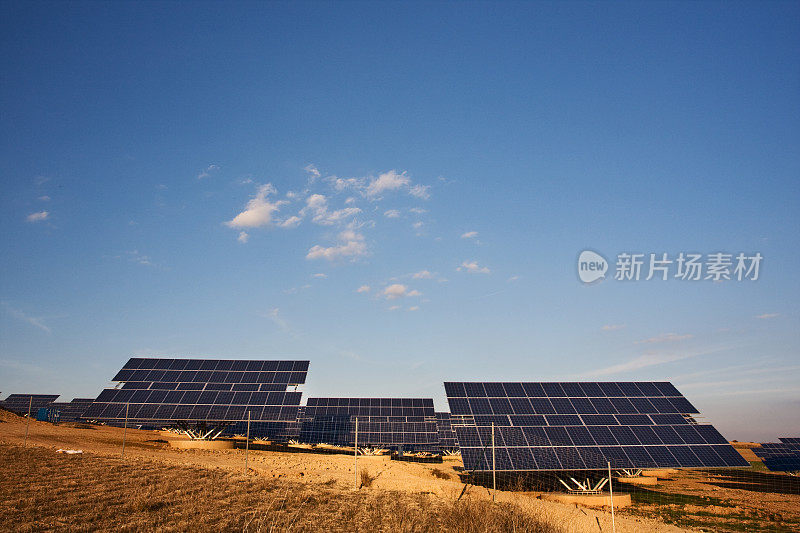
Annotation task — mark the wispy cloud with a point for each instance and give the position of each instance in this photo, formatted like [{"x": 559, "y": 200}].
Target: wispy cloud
[
  {"x": 140, "y": 259},
  {"x": 473, "y": 268},
  {"x": 320, "y": 275},
  {"x": 612, "y": 327},
  {"x": 313, "y": 172},
  {"x": 665, "y": 337},
  {"x": 767, "y": 316},
  {"x": 392, "y": 213},
  {"x": 513, "y": 278},
  {"x": 209, "y": 170},
  {"x": 469, "y": 235},
  {"x": 648, "y": 359},
  {"x": 422, "y": 274},
  {"x": 243, "y": 237},
  {"x": 38, "y": 216},
  {"x": 37, "y": 322},
  {"x": 44, "y": 198},
  {"x": 317, "y": 207},
  {"x": 363, "y": 288},
  {"x": 350, "y": 245}
]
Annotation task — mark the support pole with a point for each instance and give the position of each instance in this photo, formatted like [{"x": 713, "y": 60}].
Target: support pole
[
  {"x": 125, "y": 430},
  {"x": 28, "y": 423},
  {"x": 494, "y": 472},
  {"x": 247, "y": 443},
  {"x": 611, "y": 494},
  {"x": 355, "y": 458}
]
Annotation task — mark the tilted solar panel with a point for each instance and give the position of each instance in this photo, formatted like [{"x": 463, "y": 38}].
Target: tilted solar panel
[
  {"x": 158, "y": 392},
  {"x": 409, "y": 423},
  {"x": 447, "y": 437},
  {"x": 582, "y": 426},
  {"x": 19, "y": 403}
]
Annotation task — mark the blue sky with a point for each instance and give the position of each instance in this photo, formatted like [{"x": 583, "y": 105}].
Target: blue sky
[{"x": 220, "y": 180}]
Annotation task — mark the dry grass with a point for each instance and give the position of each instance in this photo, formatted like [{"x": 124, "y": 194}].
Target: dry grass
[
  {"x": 43, "y": 490},
  {"x": 366, "y": 478}
]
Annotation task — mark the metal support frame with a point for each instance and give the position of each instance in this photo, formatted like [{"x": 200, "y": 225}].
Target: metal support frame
[
  {"x": 28, "y": 422},
  {"x": 584, "y": 487},
  {"x": 355, "y": 458},
  {"x": 629, "y": 472}
]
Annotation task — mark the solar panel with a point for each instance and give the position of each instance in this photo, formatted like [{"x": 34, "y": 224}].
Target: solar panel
[
  {"x": 393, "y": 423},
  {"x": 220, "y": 393},
  {"x": 72, "y": 411},
  {"x": 794, "y": 441},
  {"x": 781, "y": 456},
  {"x": 582, "y": 426},
  {"x": 19, "y": 403},
  {"x": 447, "y": 437}
]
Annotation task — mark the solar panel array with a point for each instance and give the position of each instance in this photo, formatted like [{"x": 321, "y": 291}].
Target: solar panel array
[
  {"x": 409, "y": 423},
  {"x": 781, "y": 456},
  {"x": 19, "y": 403},
  {"x": 72, "y": 411},
  {"x": 582, "y": 426},
  {"x": 447, "y": 437},
  {"x": 156, "y": 392}
]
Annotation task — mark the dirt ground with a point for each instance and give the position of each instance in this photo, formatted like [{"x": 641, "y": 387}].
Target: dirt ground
[{"x": 439, "y": 482}]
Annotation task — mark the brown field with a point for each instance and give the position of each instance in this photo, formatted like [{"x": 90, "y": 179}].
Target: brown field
[{"x": 155, "y": 487}]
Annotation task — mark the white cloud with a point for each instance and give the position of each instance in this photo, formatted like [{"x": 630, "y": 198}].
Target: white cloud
[
  {"x": 395, "y": 291},
  {"x": 313, "y": 172},
  {"x": 398, "y": 290},
  {"x": 394, "y": 308},
  {"x": 317, "y": 205},
  {"x": 350, "y": 200},
  {"x": 513, "y": 278},
  {"x": 291, "y": 222},
  {"x": 422, "y": 274},
  {"x": 33, "y": 321},
  {"x": 469, "y": 235},
  {"x": 388, "y": 181},
  {"x": 417, "y": 225},
  {"x": 664, "y": 337},
  {"x": 320, "y": 275},
  {"x": 44, "y": 198},
  {"x": 259, "y": 211},
  {"x": 210, "y": 169},
  {"x": 414, "y": 308},
  {"x": 243, "y": 237},
  {"x": 38, "y": 216},
  {"x": 612, "y": 327},
  {"x": 392, "y": 213},
  {"x": 351, "y": 244},
  {"x": 340, "y": 184},
  {"x": 473, "y": 268},
  {"x": 418, "y": 210},
  {"x": 363, "y": 288},
  {"x": 420, "y": 191},
  {"x": 767, "y": 316}
]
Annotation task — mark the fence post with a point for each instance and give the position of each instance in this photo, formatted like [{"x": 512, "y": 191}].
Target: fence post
[
  {"x": 355, "y": 457},
  {"x": 494, "y": 471},
  {"x": 611, "y": 495},
  {"x": 28, "y": 423},
  {"x": 247, "y": 443},
  {"x": 125, "y": 430}
]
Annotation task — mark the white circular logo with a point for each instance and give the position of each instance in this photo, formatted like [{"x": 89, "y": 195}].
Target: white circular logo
[{"x": 591, "y": 266}]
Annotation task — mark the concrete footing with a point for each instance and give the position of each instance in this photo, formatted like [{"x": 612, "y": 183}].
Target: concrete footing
[
  {"x": 218, "y": 444},
  {"x": 638, "y": 480},
  {"x": 589, "y": 500}
]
